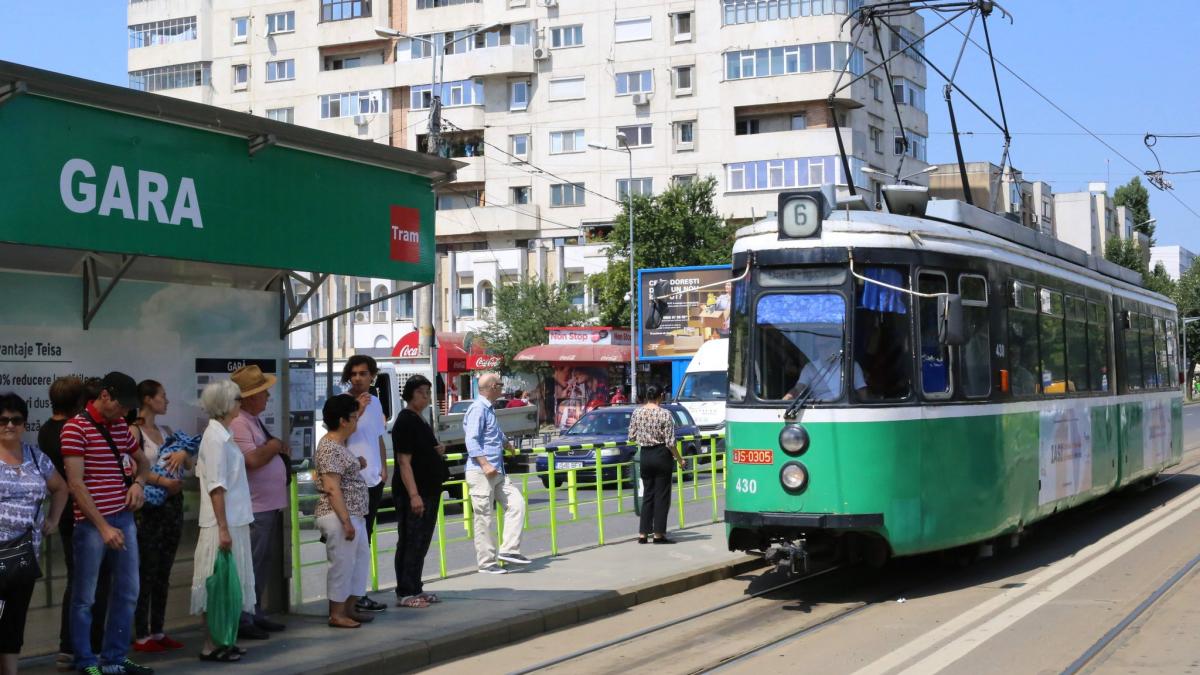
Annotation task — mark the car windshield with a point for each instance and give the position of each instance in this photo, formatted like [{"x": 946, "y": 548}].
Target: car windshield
[
  {"x": 704, "y": 386},
  {"x": 602, "y": 422},
  {"x": 800, "y": 338}
]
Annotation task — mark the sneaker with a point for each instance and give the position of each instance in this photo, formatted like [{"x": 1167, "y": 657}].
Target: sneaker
[
  {"x": 514, "y": 558},
  {"x": 168, "y": 643},
  {"x": 91, "y": 670},
  {"x": 366, "y": 604},
  {"x": 249, "y": 631},
  {"x": 64, "y": 662},
  {"x": 148, "y": 646},
  {"x": 492, "y": 569},
  {"x": 126, "y": 667}
]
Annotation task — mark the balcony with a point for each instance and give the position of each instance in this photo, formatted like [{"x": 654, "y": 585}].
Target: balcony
[
  {"x": 516, "y": 221},
  {"x": 381, "y": 76},
  {"x": 795, "y": 87},
  {"x": 821, "y": 142},
  {"x": 349, "y": 31},
  {"x": 487, "y": 62}
]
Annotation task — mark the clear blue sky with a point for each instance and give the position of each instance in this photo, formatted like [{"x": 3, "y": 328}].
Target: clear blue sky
[{"x": 1121, "y": 68}]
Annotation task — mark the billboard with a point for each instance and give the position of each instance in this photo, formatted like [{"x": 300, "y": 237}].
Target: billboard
[{"x": 693, "y": 317}]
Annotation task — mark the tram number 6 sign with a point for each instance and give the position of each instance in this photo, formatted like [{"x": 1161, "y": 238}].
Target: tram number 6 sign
[{"x": 799, "y": 215}]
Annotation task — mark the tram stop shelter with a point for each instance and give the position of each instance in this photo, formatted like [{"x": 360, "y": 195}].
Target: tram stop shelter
[{"x": 176, "y": 241}]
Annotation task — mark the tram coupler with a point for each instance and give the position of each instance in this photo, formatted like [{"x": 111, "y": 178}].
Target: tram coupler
[{"x": 790, "y": 558}]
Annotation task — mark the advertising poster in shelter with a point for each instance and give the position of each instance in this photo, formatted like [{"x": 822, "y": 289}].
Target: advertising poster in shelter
[
  {"x": 1156, "y": 432},
  {"x": 1065, "y": 452},
  {"x": 163, "y": 332},
  {"x": 577, "y": 389},
  {"x": 693, "y": 317}
]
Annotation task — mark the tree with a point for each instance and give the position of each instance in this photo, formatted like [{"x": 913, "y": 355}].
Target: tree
[
  {"x": 1124, "y": 252},
  {"x": 1135, "y": 196},
  {"x": 1159, "y": 282},
  {"x": 522, "y": 312},
  {"x": 1187, "y": 298},
  {"x": 677, "y": 227}
]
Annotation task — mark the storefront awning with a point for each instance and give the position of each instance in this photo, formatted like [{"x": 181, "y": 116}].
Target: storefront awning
[
  {"x": 577, "y": 353},
  {"x": 453, "y": 357}
]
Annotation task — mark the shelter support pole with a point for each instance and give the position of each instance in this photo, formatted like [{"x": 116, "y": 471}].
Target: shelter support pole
[
  {"x": 93, "y": 295},
  {"x": 329, "y": 358}
]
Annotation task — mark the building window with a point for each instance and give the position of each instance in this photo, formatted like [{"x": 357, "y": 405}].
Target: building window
[
  {"x": 876, "y": 85},
  {"x": 241, "y": 75},
  {"x": 287, "y": 115},
  {"x": 353, "y": 103},
  {"x": 459, "y": 200},
  {"x": 685, "y": 136},
  {"x": 567, "y": 89},
  {"x": 466, "y": 302},
  {"x": 903, "y": 39},
  {"x": 641, "y": 187},
  {"x": 752, "y": 11},
  {"x": 566, "y": 36},
  {"x": 519, "y": 146},
  {"x": 518, "y": 95},
  {"x": 638, "y": 136},
  {"x": 909, "y": 143},
  {"x": 162, "y": 32},
  {"x": 683, "y": 80},
  {"x": 281, "y": 70},
  {"x": 241, "y": 28},
  {"x": 638, "y": 81},
  {"x": 822, "y": 56},
  {"x": 632, "y": 30},
  {"x": 876, "y": 138},
  {"x": 487, "y": 295},
  {"x": 453, "y": 94},
  {"x": 772, "y": 174},
  {"x": 908, "y": 92},
  {"x": 283, "y": 22},
  {"x": 519, "y": 194},
  {"x": 566, "y": 194},
  {"x": 402, "y": 306},
  {"x": 342, "y": 62},
  {"x": 171, "y": 77},
  {"x": 681, "y": 25},
  {"x": 684, "y": 179},
  {"x": 745, "y": 127},
  {"x": 799, "y": 122},
  {"x": 430, "y": 4},
  {"x": 340, "y": 10},
  {"x": 563, "y": 142}
]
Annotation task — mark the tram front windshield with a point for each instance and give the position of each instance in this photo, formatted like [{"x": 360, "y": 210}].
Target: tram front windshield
[{"x": 801, "y": 340}]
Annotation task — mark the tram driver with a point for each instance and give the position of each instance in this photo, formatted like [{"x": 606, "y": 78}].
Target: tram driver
[{"x": 822, "y": 374}]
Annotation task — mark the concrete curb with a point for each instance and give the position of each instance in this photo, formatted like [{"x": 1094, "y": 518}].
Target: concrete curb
[{"x": 471, "y": 639}]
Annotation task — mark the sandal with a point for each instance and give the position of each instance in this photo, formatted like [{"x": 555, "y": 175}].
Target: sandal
[
  {"x": 642, "y": 539},
  {"x": 431, "y": 598},
  {"x": 350, "y": 623},
  {"x": 413, "y": 601},
  {"x": 221, "y": 654}
]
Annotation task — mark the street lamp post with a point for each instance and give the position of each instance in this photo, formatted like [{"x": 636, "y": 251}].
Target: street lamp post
[
  {"x": 433, "y": 147},
  {"x": 624, "y": 142}
]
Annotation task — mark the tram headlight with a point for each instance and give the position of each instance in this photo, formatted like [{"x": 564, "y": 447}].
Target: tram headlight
[
  {"x": 793, "y": 439},
  {"x": 794, "y": 477}
]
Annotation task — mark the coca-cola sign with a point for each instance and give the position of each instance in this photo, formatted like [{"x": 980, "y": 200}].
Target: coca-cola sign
[
  {"x": 483, "y": 361},
  {"x": 408, "y": 347}
]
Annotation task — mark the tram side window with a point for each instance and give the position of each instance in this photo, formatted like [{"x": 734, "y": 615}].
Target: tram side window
[
  {"x": 1022, "y": 340},
  {"x": 1098, "y": 349},
  {"x": 1172, "y": 355},
  {"x": 1053, "y": 342},
  {"x": 977, "y": 352},
  {"x": 1133, "y": 354},
  {"x": 1160, "y": 353},
  {"x": 1077, "y": 347},
  {"x": 882, "y": 335},
  {"x": 1146, "y": 333},
  {"x": 935, "y": 357},
  {"x": 800, "y": 346},
  {"x": 739, "y": 341}
]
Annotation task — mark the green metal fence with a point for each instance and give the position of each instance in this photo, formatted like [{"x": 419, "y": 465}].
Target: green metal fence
[{"x": 566, "y": 504}]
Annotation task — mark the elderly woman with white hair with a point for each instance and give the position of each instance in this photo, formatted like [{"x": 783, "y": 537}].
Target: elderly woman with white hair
[{"x": 225, "y": 509}]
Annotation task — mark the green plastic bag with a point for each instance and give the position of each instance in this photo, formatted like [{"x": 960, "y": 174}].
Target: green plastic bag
[{"x": 224, "y": 606}]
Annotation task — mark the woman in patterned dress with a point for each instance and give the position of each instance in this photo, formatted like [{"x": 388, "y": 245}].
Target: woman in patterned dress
[{"x": 652, "y": 427}]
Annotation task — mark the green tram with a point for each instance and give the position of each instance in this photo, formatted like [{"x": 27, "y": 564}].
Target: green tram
[{"x": 906, "y": 384}]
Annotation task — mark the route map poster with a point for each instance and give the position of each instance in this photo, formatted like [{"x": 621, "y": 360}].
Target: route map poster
[{"x": 1065, "y": 452}]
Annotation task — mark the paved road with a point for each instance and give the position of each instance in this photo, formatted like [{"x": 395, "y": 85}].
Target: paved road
[{"x": 1033, "y": 609}]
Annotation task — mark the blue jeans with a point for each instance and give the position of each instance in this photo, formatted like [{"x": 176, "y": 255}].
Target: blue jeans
[{"x": 89, "y": 553}]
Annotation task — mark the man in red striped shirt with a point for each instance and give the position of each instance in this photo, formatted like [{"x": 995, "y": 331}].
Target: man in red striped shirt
[{"x": 106, "y": 471}]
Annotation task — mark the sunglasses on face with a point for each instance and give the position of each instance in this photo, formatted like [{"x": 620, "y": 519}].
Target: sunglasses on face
[{"x": 16, "y": 421}]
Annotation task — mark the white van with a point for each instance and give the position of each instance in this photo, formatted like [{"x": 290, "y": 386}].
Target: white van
[{"x": 705, "y": 385}]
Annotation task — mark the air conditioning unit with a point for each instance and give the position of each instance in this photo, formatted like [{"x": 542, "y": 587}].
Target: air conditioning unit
[
  {"x": 548, "y": 3},
  {"x": 540, "y": 53},
  {"x": 360, "y": 317},
  {"x": 641, "y": 98},
  {"x": 361, "y": 120}
]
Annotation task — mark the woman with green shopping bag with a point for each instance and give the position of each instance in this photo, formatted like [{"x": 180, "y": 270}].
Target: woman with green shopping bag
[{"x": 225, "y": 517}]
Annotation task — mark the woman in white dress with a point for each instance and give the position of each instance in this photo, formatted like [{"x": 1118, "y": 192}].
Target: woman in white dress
[{"x": 225, "y": 510}]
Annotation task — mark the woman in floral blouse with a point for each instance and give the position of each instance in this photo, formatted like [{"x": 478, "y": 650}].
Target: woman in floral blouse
[
  {"x": 341, "y": 513},
  {"x": 653, "y": 428}
]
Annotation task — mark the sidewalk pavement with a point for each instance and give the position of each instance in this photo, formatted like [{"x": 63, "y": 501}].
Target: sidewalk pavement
[{"x": 478, "y": 611}]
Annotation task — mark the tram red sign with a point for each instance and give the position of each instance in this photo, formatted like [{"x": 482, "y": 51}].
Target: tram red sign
[{"x": 744, "y": 456}]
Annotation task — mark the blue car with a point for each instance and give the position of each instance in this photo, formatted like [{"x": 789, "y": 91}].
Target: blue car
[{"x": 609, "y": 424}]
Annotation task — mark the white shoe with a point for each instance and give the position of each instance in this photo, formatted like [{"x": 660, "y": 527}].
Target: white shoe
[
  {"x": 514, "y": 558},
  {"x": 492, "y": 569}
]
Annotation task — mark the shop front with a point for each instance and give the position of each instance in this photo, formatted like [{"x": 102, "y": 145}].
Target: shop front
[
  {"x": 584, "y": 368},
  {"x": 459, "y": 358}
]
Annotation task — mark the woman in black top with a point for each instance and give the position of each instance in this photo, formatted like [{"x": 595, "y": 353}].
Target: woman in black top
[
  {"x": 417, "y": 490},
  {"x": 652, "y": 428}
]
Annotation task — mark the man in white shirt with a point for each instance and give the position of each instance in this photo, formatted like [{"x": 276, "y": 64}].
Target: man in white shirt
[
  {"x": 367, "y": 443},
  {"x": 823, "y": 375}
]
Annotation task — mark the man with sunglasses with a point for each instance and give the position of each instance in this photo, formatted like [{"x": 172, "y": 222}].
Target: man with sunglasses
[{"x": 106, "y": 472}]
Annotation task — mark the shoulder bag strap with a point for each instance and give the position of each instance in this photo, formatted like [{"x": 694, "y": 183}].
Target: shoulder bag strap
[{"x": 112, "y": 445}]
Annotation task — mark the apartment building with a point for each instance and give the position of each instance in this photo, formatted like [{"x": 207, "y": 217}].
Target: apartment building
[
  {"x": 1176, "y": 259},
  {"x": 735, "y": 89},
  {"x": 1002, "y": 191}
]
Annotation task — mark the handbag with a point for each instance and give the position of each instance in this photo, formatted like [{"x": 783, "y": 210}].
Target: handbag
[{"x": 18, "y": 559}]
